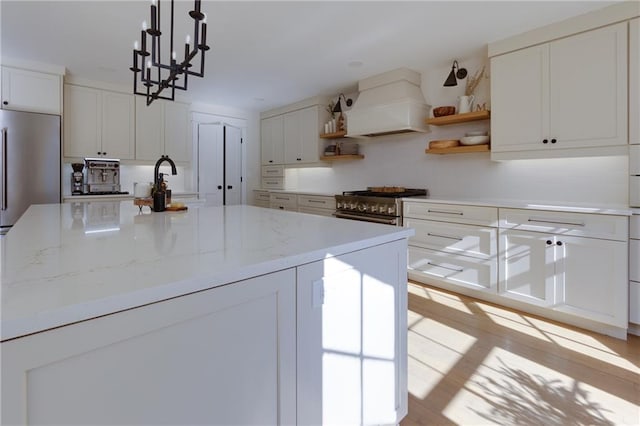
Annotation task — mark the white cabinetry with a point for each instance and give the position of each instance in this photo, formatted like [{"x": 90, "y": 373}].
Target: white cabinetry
[
  {"x": 352, "y": 338},
  {"x": 283, "y": 201},
  {"x": 634, "y": 81},
  {"x": 567, "y": 97},
  {"x": 323, "y": 205},
  {"x": 197, "y": 359},
  {"x": 272, "y": 177},
  {"x": 301, "y": 136},
  {"x": 261, "y": 198},
  {"x": 453, "y": 244},
  {"x": 634, "y": 272},
  {"x": 98, "y": 123},
  {"x": 24, "y": 90},
  {"x": 570, "y": 262},
  {"x": 162, "y": 128},
  {"x": 272, "y": 140}
]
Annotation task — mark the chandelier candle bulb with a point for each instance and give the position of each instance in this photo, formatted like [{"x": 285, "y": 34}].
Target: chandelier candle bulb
[
  {"x": 144, "y": 25},
  {"x": 153, "y": 16},
  {"x": 135, "y": 45}
]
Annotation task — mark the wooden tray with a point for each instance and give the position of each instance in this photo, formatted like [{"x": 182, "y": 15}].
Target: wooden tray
[
  {"x": 448, "y": 143},
  {"x": 175, "y": 209}
]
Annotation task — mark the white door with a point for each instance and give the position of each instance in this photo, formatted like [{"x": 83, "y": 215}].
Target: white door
[
  {"x": 232, "y": 165},
  {"x": 211, "y": 163}
]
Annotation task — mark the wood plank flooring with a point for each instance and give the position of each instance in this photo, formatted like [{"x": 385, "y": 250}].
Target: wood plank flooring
[{"x": 475, "y": 363}]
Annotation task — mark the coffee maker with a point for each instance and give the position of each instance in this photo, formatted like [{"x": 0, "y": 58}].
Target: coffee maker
[
  {"x": 77, "y": 179},
  {"x": 102, "y": 176}
]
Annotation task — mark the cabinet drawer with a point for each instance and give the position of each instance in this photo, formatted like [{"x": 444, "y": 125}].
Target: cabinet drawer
[
  {"x": 264, "y": 204},
  {"x": 634, "y": 231},
  {"x": 317, "y": 202},
  {"x": 466, "y": 240},
  {"x": 473, "y": 215},
  {"x": 634, "y": 260},
  {"x": 466, "y": 271},
  {"x": 289, "y": 201},
  {"x": 272, "y": 171},
  {"x": 262, "y": 196},
  {"x": 319, "y": 212},
  {"x": 273, "y": 183},
  {"x": 578, "y": 224}
]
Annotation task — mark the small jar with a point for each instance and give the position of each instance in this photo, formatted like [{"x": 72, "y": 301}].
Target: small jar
[{"x": 159, "y": 201}]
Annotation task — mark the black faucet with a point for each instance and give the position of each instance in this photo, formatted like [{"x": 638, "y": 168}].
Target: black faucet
[{"x": 157, "y": 177}]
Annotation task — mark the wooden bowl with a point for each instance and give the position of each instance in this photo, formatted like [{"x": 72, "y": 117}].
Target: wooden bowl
[{"x": 444, "y": 110}]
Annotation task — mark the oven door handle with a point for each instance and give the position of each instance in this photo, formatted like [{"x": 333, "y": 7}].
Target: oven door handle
[{"x": 366, "y": 218}]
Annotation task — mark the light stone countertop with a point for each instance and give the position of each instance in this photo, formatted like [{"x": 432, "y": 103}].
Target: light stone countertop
[
  {"x": 530, "y": 205},
  {"x": 63, "y": 263}
]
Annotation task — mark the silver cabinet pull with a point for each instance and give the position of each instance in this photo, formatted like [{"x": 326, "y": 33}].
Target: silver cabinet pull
[
  {"x": 555, "y": 222},
  {"x": 444, "y": 236},
  {"x": 281, "y": 198},
  {"x": 317, "y": 201},
  {"x": 445, "y": 267},
  {"x": 4, "y": 169},
  {"x": 445, "y": 212}
]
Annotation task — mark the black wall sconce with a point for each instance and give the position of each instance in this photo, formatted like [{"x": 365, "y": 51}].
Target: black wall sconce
[
  {"x": 461, "y": 73},
  {"x": 338, "y": 108}
]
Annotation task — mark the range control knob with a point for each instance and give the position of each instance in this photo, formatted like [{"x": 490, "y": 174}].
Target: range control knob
[
  {"x": 373, "y": 208},
  {"x": 362, "y": 207},
  {"x": 391, "y": 209}
]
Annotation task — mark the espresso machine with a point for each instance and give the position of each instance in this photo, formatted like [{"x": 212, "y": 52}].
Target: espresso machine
[
  {"x": 77, "y": 179},
  {"x": 102, "y": 176}
]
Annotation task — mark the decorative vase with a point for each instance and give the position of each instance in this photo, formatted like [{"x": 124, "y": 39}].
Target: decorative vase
[{"x": 465, "y": 103}]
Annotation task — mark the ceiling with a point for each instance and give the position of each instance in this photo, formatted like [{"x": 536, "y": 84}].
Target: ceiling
[{"x": 267, "y": 54}]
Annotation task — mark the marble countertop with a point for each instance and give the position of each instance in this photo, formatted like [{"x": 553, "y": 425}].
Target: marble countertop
[
  {"x": 63, "y": 263},
  {"x": 530, "y": 205}
]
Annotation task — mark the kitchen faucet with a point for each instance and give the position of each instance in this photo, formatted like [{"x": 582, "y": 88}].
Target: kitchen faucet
[{"x": 156, "y": 176}]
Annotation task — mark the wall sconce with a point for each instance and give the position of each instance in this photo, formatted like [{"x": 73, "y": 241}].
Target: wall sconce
[
  {"x": 338, "y": 107},
  {"x": 461, "y": 73}
]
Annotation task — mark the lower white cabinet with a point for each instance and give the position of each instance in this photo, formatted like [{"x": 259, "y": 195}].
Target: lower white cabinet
[
  {"x": 570, "y": 262},
  {"x": 222, "y": 356},
  {"x": 634, "y": 271},
  {"x": 352, "y": 338},
  {"x": 283, "y": 201},
  {"x": 323, "y": 205},
  {"x": 261, "y": 198}
]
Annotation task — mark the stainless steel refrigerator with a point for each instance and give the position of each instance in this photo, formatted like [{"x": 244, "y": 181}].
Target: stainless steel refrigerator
[{"x": 29, "y": 163}]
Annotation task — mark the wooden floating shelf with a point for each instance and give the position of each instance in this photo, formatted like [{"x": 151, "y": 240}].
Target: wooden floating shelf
[
  {"x": 458, "y": 149},
  {"x": 459, "y": 118},
  {"x": 342, "y": 157},
  {"x": 334, "y": 135}
]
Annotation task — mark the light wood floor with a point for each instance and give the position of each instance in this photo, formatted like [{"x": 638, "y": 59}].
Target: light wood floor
[{"x": 472, "y": 363}]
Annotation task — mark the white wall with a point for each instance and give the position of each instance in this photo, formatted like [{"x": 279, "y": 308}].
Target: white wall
[{"x": 400, "y": 160}]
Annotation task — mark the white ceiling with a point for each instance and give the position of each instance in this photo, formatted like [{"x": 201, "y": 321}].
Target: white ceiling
[{"x": 267, "y": 54}]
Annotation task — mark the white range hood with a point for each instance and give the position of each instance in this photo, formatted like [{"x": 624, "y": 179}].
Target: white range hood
[{"x": 389, "y": 103}]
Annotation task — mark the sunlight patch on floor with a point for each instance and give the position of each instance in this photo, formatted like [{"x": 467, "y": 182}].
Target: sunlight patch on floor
[
  {"x": 449, "y": 300},
  {"x": 509, "y": 389}
]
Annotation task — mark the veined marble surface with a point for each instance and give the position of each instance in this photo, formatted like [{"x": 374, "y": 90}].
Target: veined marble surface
[{"x": 63, "y": 263}]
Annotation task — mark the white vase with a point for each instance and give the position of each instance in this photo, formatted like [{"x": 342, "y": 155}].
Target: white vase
[{"x": 465, "y": 103}]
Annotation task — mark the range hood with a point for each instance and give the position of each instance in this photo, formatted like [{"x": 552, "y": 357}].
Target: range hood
[{"x": 388, "y": 104}]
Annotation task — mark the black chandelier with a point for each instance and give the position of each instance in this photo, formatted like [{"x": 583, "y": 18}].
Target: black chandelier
[{"x": 156, "y": 75}]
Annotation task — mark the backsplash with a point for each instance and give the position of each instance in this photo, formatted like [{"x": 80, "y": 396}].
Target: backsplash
[{"x": 182, "y": 182}]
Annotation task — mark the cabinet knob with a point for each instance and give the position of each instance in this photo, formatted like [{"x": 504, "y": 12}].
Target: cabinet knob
[
  {"x": 299, "y": 159},
  {"x": 553, "y": 141},
  {"x": 271, "y": 161},
  {"x": 545, "y": 141},
  {"x": 5, "y": 103},
  {"x": 229, "y": 187},
  {"x": 219, "y": 186},
  {"x": 559, "y": 243},
  {"x": 549, "y": 242}
]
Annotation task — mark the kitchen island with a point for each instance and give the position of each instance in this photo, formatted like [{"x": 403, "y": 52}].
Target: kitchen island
[{"x": 215, "y": 315}]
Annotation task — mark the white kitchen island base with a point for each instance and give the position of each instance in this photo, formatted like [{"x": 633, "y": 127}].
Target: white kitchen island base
[{"x": 321, "y": 341}]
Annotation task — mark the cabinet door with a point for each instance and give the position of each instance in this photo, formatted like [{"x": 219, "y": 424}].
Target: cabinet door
[
  {"x": 272, "y": 140},
  {"x": 634, "y": 81},
  {"x": 82, "y": 121},
  {"x": 292, "y": 138},
  {"x": 527, "y": 267},
  {"x": 592, "y": 278},
  {"x": 177, "y": 144},
  {"x": 352, "y": 330},
  {"x": 24, "y": 90},
  {"x": 202, "y": 358},
  {"x": 519, "y": 99},
  {"x": 301, "y": 142},
  {"x": 118, "y": 125},
  {"x": 588, "y": 92},
  {"x": 149, "y": 130}
]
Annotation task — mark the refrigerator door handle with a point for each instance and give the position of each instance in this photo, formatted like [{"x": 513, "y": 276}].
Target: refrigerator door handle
[{"x": 4, "y": 168}]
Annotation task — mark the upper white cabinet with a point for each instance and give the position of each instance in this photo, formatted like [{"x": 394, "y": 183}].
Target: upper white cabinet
[
  {"x": 162, "y": 128},
  {"x": 272, "y": 140},
  {"x": 301, "y": 136},
  {"x": 634, "y": 81},
  {"x": 291, "y": 135},
  {"x": 551, "y": 99},
  {"x": 98, "y": 123},
  {"x": 24, "y": 90}
]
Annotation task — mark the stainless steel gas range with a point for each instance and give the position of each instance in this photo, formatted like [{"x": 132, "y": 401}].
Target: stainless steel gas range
[{"x": 375, "y": 204}]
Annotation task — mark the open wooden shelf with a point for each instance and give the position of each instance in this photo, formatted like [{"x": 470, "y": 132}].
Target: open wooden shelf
[
  {"x": 334, "y": 135},
  {"x": 458, "y": 118},
  {"x": 458, "y": 149},
  {"x": 342, "y": 157}
]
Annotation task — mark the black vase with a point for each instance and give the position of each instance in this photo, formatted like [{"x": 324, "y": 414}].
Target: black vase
[{"x": 159, "y": 201}]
